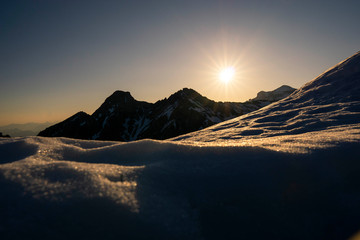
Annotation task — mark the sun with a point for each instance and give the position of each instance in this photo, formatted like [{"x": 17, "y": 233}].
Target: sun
[{"x": 227, "y": 74}]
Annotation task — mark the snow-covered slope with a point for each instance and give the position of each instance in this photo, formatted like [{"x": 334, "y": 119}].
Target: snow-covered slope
[
  {"x": 293, "y": 175},
  {"x": 330, "y": 101},
  {"x": 58, "y": 188}
]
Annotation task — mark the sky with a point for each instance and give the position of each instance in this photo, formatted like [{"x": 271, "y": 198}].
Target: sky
[{"x": 60, "y": 57}]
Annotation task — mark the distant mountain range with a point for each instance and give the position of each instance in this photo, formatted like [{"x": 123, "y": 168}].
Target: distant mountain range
[
  {"x": 123, "y": 118},
  {"x": 25, "y": 129}
]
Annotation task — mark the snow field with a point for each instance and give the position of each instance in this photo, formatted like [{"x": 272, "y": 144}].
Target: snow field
[{"x": 166, "y": 190}]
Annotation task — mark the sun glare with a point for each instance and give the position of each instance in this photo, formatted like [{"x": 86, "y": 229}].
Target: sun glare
[{"x": 227, "y": 74}]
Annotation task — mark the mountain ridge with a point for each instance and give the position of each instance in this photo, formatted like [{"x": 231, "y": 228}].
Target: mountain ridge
[{"x": 122, "y": 117}]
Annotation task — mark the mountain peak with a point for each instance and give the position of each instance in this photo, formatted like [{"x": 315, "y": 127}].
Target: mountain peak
[
  {"x": 283, "y": 87},
  {"x": 113, "y": 102},
  {"x": 120, "y": 97},
  {"x": 185, "y": 93},
  {"x": 274, "y": 95}
]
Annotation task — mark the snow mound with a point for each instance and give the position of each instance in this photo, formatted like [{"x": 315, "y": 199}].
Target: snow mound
[{"x": 64, "y": 188}]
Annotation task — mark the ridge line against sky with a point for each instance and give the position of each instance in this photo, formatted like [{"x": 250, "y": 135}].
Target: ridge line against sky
[{"x": 57, "y": 58}]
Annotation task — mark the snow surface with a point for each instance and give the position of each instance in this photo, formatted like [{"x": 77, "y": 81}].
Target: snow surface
[
  {"x": 165, "y": 190},
  {"x": 287, "y": 171}
]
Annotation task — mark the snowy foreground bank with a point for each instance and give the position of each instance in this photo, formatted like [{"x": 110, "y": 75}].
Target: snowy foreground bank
[{"x": 63, "y": 188}]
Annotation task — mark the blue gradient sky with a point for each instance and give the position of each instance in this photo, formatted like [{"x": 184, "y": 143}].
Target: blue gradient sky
[{"x": 59, "y": 57}]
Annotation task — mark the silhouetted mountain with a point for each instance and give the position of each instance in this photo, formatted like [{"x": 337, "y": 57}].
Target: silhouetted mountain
[
  {"x": 123, "y": 118},
  {"x": 80, "y": 126},
  {"x": 1, "y": 135}
]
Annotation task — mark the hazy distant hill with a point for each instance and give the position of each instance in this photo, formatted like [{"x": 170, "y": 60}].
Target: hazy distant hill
[
  {"x": 26, "y": 129},
  {"x": 123, "y": 118},
  {"x": 275, "y": 95}
]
